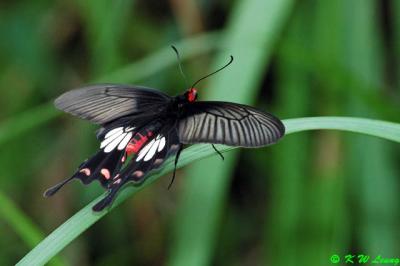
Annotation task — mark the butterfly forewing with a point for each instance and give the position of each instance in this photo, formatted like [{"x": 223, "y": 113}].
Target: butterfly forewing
[
  {"x": 104, "y": 103},
  {"x": 228, "y": 123}
]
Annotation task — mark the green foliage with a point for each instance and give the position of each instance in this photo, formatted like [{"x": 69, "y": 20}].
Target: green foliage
[
  {"x": 249, "y": 36},
  {"x": 295, "y": 203},
  {"x": 83, "y": 219}
]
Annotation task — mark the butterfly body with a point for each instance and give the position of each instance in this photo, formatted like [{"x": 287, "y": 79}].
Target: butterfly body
[{"x": 141, "y": 127}]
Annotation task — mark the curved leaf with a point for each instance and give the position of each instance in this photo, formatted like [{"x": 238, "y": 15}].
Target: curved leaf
[{"x": 83, "y": 219}]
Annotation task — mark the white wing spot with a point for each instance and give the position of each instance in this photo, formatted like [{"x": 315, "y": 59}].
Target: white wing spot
[
  {"x": 125, "y": 141},
  {"x": 143, "y": 152},
  {"x": 114, "y": 143},
  {"x": 152, "y": 151},
  {"x": 154, "y": 146},
  {"x": 108, "y": 140},
  {"x": 113, "y": 131},
  {"x": 116, "y": 136},
  {"x": 162, "y": 144}
]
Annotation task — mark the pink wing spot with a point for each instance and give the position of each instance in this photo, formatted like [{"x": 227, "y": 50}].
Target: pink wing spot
[
  {"x": 174, "y": 147},
  {"x": 149, "y": 133},
  {"x": 138, "y": 173},
  {"x": 117, "y": 181},
  {"x": 135, "y": 145},
  {"x": 85, "y": 171},
  {"x": 106, "y": 173},
  {"x": 158, "y": 161},
  {"x": 123, "y": 159}
]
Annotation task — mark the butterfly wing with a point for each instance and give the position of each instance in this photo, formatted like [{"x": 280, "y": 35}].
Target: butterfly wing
[
  {"x": 103, "y": 103},
  {"x": 228, "y": 123},
  {"x": 147, "y": 146},
  {"x": 163, "y": 145},
  {"x": 107, "y": 162}
]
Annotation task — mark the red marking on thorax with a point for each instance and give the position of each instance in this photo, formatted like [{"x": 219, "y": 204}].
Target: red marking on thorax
[
  {"x": 192, "y": 95},
  {"x": 135, "y": 145}
]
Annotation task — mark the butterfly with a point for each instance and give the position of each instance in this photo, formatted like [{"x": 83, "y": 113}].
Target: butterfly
[{"x": 141, "y": 127}]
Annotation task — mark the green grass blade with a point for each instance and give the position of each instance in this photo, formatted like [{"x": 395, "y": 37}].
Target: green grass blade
[
  {"x": 368, "y": 158},
  {"x": 20, "y": 124},
  {"x": 156, "y": 62},
  {"x": 252, "y": 31},
  {"x": 82, "y": 220},
  {"x": 283, "y": 210},
  {"x": 377, "y": 128},
  {"x": 21, "y": 223},
  {"x": 106, "y": 22}
]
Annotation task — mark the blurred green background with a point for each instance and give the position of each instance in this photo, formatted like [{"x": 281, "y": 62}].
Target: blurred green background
[{"x": 296, "y": 203}]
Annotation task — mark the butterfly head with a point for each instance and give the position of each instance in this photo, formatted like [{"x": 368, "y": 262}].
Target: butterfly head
[{"x": 191, "y": 95}]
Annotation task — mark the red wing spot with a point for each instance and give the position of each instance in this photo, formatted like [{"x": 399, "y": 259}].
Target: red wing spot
[
  {"x": 85, "y": 171},
  {"x": 135, "y": 145},
  {"x": 106, "y": 173},
  {"x": 130, "y": 148}
]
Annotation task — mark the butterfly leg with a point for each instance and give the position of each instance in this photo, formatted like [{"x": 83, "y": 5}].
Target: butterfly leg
[
  {"x": 176, "y": 163},
  {"x": 219, "y": 153}
]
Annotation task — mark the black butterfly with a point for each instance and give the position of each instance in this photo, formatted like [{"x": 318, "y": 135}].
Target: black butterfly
[{"x": 141, "y": 127}]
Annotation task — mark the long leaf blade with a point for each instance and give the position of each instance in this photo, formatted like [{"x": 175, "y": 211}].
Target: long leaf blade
[{"x": 83, "y": 219}]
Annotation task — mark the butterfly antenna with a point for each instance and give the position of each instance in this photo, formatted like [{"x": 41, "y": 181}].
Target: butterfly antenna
[
  {"x": 180, "y": 65},
  {"x": 215, "y": 72}
]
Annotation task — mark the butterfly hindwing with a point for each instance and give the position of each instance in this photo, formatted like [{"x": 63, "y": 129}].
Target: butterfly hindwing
[
  {"x": 127, "y": 154},
  {"x": 152, "y": 155},
  {"x": 106, "y": 163},
  {"x": 228, "y": 123}
]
